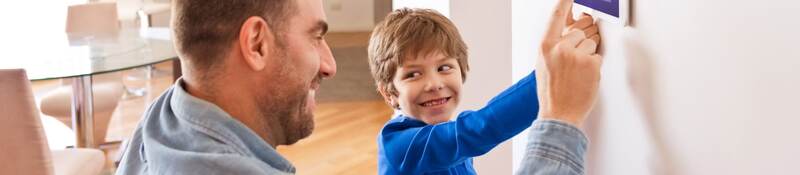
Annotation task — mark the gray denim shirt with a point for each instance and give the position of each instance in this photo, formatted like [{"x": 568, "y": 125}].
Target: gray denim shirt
[
  {"x": 182, "y": 134},
  {"x": 554, "y": 148}
]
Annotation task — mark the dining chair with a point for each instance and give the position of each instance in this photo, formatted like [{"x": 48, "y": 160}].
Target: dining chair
[
  {"x": 24, "y": 146},
  {"x": 93, "y": 18}
]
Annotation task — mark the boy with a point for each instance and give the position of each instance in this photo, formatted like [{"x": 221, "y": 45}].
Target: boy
[{"x": 419, "y": 63}]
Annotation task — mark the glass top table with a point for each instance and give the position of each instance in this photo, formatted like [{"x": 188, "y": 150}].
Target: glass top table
[
  {"x": 74, "y": 56},
  {"x": 60, "y": 55}
]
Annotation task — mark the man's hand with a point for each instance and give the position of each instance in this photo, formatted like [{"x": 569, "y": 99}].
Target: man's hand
[{"x": 568, "y": 70}]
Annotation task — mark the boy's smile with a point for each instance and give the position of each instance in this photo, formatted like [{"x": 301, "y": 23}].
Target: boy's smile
[
  {"x": 435, "y": 102},
  {"x": 428, "y": 87}
]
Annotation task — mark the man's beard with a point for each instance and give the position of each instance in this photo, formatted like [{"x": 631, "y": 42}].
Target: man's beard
[{"x": 286, "y": 104}]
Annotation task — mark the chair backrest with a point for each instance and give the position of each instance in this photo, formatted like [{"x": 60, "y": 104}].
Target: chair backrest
[
  {"x": 23, "y": 145},
  {"x": 158, "y": 14},
  {"x": 95, "y": 18}
]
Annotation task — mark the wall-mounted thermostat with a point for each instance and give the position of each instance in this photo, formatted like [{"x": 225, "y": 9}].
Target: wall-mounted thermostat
[{"x": 614, "y": 11}]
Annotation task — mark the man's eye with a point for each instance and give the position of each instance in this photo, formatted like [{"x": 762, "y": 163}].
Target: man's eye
[
  {"x": 445, "y": 68},
  {"x": 318, "y": 40}
]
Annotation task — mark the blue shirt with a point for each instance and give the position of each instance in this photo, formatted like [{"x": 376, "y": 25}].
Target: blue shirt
[
  {"x": 410, "y": 146},
  {"x": 182, "y": 134}
]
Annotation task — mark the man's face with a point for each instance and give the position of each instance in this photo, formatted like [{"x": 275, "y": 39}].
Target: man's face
[
  {"x": 303, "y": 59},
  {"x": 428, "y": 87}
]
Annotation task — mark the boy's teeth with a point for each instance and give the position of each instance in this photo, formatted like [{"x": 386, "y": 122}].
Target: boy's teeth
[{"x": 435, "y": 102}]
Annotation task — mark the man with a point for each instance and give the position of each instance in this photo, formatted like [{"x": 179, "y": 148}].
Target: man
[{"x": 250, "y": 72}]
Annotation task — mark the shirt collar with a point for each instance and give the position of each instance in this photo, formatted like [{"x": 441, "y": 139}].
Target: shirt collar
[{"x": 188, "y": 107}]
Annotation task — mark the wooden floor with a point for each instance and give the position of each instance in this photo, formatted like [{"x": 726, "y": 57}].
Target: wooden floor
[{"x": 343, "y": 141}]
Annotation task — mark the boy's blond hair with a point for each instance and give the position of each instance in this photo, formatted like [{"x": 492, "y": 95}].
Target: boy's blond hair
[{"x": 408, "y": 33}]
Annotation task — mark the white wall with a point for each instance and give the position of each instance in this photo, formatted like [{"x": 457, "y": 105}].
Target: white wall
[
  {"x": 692, "y": 87},
  {"x": 486, "y": 28},
  {"x": 349, "y": 15},
  {"x": 527, "y": 28}
]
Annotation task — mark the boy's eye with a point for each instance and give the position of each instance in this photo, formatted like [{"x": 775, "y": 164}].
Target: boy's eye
[
  {"x": 445, "y": 68},
  {"x": 412, "y": 75}
]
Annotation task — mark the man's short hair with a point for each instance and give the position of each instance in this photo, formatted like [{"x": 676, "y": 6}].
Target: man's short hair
[
  {"x": 408, "y": 33},
  {"x": 204, "y": 29}
]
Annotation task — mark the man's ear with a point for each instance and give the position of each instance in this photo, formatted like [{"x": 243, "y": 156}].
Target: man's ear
[
  {"x": 388, "y": 97},
  {"x": 255, "y": 39}
]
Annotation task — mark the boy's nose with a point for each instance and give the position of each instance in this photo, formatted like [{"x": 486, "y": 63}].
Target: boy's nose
[{"x": 434, "y": 84}]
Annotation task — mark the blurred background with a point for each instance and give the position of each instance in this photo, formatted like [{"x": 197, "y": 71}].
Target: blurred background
[{"x": 689, "y": 87}]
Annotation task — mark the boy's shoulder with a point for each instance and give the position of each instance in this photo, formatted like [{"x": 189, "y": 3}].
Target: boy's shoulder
[{"x": 401, "y": 122}]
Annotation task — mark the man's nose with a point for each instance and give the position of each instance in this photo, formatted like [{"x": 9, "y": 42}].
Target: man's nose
[{"x": 327, "y": 65}]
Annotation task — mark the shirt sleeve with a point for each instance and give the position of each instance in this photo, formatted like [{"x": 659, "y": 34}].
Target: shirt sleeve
[
  {"x": 554, "y": 148},
  {"x": 473, "y": 133}
]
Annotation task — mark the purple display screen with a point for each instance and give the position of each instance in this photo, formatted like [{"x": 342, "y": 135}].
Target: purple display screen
[{"x": 610, "y": 7}]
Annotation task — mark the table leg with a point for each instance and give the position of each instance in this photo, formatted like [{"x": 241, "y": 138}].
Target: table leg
[{"x": 82, "y": 112}]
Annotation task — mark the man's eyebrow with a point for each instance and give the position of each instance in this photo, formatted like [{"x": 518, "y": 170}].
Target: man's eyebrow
[{"x": 321, "y": 27}]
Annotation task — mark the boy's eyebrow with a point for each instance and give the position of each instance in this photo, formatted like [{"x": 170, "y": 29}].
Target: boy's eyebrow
[
  {"x": 445, "y": 58},
  {"x": 410, "y": 66},
  {"x": 441, "y": 59}
]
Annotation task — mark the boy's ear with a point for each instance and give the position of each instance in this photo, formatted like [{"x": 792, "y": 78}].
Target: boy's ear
[{"x": 387, "y": 96}]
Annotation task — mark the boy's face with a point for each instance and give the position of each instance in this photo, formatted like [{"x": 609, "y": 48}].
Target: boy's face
[{"x": 428, "y": 87}]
